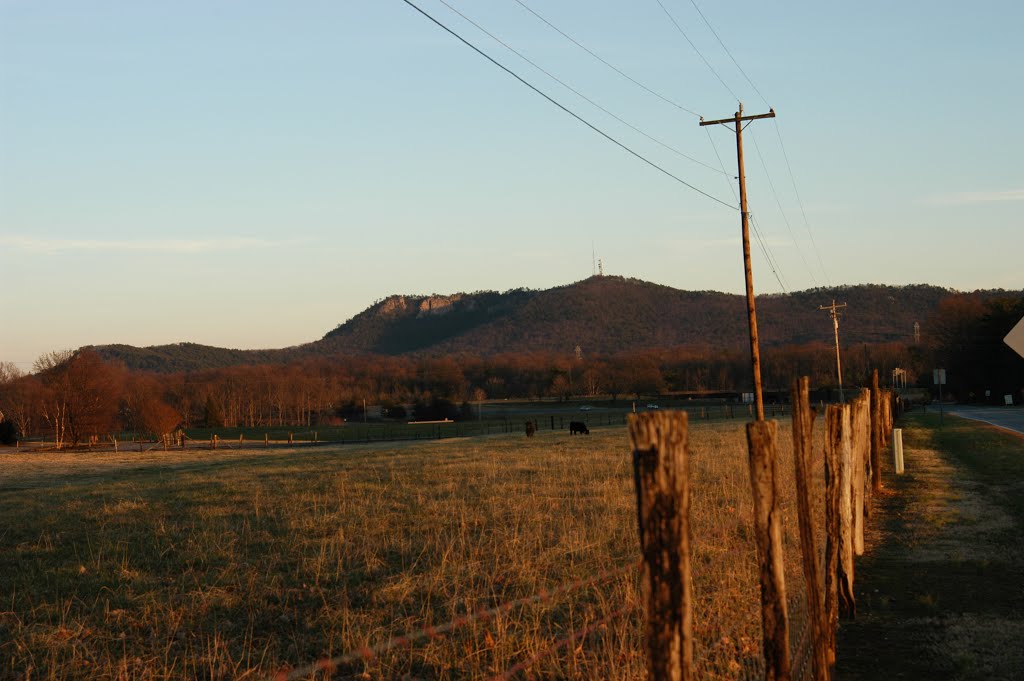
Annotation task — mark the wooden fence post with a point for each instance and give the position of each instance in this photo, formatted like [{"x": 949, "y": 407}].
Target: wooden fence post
[
  {"x": 803, "y": 456},
  {"x": 661, "y": 463},
  {"x": 840, "y": 453},
  {"x": 764, "y": 482},
  {"x": 833, "y": 420},
  {"x": 215, "y": 438},
  {"x": 861, "y": 433},
  {"x": 877, "y": 428}
]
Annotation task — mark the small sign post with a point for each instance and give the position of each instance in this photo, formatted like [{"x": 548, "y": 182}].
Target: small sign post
[{"x": 939, "y": 377}]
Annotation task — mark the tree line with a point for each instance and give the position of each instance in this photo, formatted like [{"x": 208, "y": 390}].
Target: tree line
[{"x": 72, "y": 396}]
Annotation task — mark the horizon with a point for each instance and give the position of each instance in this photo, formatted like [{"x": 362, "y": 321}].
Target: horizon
[{"x": 371, "y": 305}]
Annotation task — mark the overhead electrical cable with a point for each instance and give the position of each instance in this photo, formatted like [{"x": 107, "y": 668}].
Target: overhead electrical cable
[
  {"x": 769, "y": 258},
  {"x": 577, "y": 92},
  {"x": 778, "y": 132},
  {"x": 699, "y": 53},
  {"x": 800, "y": 202},
  {"x": 715, "y": 33},
  {"x": 773, "y": 264},
  {"x": 572, "y": 113},
  {"x": 606, "y": 63},
  {"x": 714, "y": 146},
  {"x": 782, "y": 210}
]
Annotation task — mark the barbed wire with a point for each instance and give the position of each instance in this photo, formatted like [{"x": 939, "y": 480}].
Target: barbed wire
[
  {"x": 431, "y": 632},
  {"x": 561, "y": 643}
]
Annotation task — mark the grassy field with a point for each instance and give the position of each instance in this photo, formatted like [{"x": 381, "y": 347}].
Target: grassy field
[{"x": 238, "y": 564}]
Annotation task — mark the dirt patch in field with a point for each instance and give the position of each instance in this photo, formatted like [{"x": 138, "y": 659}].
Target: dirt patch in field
[{"x": 940, "y": 589}]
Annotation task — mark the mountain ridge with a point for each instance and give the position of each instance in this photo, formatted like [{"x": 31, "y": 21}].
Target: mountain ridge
[{"x": 601, "y": 314}]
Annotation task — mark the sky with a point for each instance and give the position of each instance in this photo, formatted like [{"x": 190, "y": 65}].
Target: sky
[{"x": 252, "y": 174}]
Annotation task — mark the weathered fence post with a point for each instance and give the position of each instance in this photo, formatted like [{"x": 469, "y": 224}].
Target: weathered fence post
[
  {"x": 215, "y": 438},
  {"x": 661, "y": 473},
  {"x": 897, "y": 450},
  {"x": 266, "y": 440},
  {"x": 764, "y": 482},
  {"x": 833, "y": 419},
  {"x": 860, "y": 436},
  {"x": 877, "y": 428},
  {"x": 839, "y": 454},
  {"x": 289, "y": 438},
  {"x": 803, "y": 432}
]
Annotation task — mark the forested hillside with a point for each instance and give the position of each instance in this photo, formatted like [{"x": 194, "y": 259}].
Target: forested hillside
[{"x": 603, "y": 315}]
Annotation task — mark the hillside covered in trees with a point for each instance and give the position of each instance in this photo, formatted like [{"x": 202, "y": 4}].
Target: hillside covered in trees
[
  {"x": 603, "y": 315},
  {"x": 74, "y": 395}
]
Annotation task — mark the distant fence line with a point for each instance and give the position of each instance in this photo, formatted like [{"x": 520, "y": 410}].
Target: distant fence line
[{"x": 355, "y": 433}]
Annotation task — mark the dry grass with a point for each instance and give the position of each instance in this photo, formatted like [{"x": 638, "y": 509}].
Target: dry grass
[{"x": 235, "y": 565}]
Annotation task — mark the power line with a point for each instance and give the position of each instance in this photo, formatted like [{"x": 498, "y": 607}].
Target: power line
[
  {"x": 761, "y": 241},
  {"x": 789, "y": 168},
  {"x": 563, "y": 107},
  {"x": 699, "y": 54},
  {"x": 603, "y": 61},
  {"x": 719, "y": 157},
  {"x": 800, "y": 202},
  {"x": 785, "y": 219},
  {"x": 577, "y": 92},
  {"x": 715, "y": 33},
  {"x": 773, "y": 264}
]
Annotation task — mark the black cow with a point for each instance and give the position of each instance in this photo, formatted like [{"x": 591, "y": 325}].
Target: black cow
[{"x": 578, "y": 427}]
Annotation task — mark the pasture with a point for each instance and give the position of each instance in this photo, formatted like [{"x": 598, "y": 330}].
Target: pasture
[{"x": 243, "y": 563}]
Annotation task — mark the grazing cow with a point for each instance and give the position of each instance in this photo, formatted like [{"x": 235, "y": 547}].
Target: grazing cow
[
  {"x": 531, "y": 428},
  {"x": 578, "y": 427}
]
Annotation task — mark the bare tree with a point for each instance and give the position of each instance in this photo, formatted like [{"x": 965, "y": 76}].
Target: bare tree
[{"x": 81, "y": 395}]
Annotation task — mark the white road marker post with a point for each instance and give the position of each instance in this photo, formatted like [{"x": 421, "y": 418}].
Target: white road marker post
[{"x": 897, "y": 449}]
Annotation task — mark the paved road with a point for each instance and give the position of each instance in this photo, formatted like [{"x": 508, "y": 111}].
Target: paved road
[{"x": 1011, "y": 418}]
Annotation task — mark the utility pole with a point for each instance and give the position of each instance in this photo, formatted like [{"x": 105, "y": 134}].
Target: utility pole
[
  {"x": 832, "y": 310},
  {"x": 755, "y": 351}
]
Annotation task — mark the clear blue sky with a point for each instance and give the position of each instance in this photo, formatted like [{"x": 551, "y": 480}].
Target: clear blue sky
[{"x": 250, "y": 174}]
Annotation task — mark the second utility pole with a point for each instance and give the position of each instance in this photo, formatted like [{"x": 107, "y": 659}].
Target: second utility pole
[
  {"x": 755, "y": 352},
  {"x": 833, "y": 310}
]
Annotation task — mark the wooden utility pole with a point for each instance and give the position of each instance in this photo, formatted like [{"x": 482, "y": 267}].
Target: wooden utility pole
[
  {"x": 832, "y": 310},
  {"x": 755, "y": 351}
]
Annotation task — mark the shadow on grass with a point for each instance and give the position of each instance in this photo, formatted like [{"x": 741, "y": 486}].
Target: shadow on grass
[{"x": 927, "y": 572}]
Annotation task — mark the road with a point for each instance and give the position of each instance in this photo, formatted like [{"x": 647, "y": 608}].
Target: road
[{"x": 1011, "y": 418}]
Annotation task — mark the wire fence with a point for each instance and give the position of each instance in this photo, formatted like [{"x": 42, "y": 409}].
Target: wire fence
[
  {"x": 429, "y": 632},
  {"x": 729, "y": 650},
  {"x": 361, "y": 433}
]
